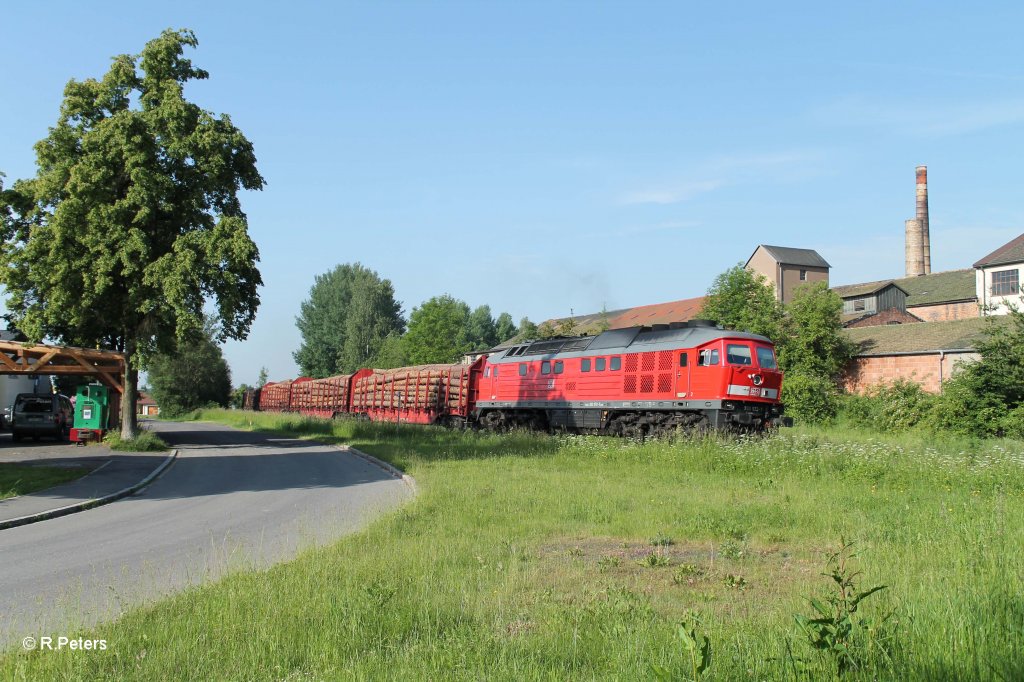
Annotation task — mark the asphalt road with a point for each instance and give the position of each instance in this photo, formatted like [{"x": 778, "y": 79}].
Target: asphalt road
[{"x": 232, "y": 500}]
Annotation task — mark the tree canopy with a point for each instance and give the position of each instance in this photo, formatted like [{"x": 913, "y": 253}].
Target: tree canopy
[
  {"x": 742, "y": 300},
  {"x": 133, "y": 220},
  {"x": 344, "y": 322},
  {"x": 438, "y": 331},
  {"x": 192, "y": 378}
]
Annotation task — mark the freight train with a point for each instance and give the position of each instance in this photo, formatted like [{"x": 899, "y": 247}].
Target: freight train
[{"x": 636, "y": 382}]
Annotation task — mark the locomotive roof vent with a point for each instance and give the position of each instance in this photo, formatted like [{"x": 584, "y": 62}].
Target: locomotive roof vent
[{"x": 703, "y": 323}]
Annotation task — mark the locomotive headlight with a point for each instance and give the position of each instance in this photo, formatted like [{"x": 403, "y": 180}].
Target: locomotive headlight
[{"x": 757, "y": 379}]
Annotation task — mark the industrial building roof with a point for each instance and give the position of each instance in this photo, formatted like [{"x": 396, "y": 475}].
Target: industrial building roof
[
  {"x": 1010, "y": 252},
  {"x": 645, "y": 315},
  {"x": 866, "y": 289},
  {"x": 791, "y": 256},
  {"x": 938, "y": 287},
  {"x": 922, "y": 337}
]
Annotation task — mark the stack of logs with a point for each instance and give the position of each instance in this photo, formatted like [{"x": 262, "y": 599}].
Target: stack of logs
[{"x": 418, "y": 388}]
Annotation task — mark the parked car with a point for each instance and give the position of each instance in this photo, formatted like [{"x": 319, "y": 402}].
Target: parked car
[
  {"x": 39, "y": 414},
  {"x": 5, "y": 418}
]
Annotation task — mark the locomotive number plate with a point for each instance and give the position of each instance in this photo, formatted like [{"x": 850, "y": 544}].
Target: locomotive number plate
[{"x": 755, "y": 392}]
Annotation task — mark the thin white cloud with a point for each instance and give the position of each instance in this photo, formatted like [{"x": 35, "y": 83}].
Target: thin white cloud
[
  {"x": 727, "y": 170},
  {"x": 922, "y": 118},
  {"x": 671, "y": 194}
]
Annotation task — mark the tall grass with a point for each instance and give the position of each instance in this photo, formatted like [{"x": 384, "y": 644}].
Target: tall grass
[{"x": 524, "y": 557}]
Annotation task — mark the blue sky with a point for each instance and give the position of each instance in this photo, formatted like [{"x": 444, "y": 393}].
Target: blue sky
[{"x": 543, "y": 157}]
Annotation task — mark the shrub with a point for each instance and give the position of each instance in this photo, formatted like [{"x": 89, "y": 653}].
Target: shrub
[
  {"x": 967, "y": 408},
  {"x": 145, "y": 441},
  {"x": 895, "y": 406},
  {"x": 809, "y": 399}
]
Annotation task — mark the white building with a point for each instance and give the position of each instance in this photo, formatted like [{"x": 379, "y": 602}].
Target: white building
[{"x": 997, "y": 278}]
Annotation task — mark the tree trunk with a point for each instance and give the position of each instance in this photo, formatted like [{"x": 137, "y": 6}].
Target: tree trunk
[{"x": 129, "y": 425}]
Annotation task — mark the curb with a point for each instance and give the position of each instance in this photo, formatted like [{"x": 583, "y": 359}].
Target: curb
[
  {"x": 91, "y": 504},
  {"x": 391, "y": 469}
]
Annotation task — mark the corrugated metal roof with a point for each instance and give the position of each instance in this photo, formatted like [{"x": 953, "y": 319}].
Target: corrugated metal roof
[
  {"x": 921, "y": 337},
  {"x": 658, "y": 313},
  {"x": 788, "y": 255},
  {"x": 1010, "y": 252}
]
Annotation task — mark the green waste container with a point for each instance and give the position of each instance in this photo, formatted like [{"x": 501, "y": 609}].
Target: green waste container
[{"x": 92, "y": 410}]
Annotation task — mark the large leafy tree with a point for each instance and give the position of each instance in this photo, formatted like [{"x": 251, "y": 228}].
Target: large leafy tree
[
  {"x": 742, "y": 300},
  {"x": 190, "y": 378},
  {"x": 437, "y": 331},
  {"x": 133, "y": 221},
  {"x": 812, "y": 342},
  {"x": 349, "y": 313},
  {"x": 505, "y": 328},
  {"x": 481, "y": 330}
]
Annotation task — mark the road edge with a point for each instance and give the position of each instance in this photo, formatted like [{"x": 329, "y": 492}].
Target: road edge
[
  {"x": 390, "y": 468},
  {"x": 92, "y": 504}
]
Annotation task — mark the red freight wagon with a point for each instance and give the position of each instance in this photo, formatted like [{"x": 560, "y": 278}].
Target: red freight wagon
[
  {"x": 276, "y": 396},
  {"x": 325, "y": 397},
  {"x": 425, "y": 394},
  {"x": 634, "y": 381}
]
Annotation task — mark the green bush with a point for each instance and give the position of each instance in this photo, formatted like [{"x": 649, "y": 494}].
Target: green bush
[
  {"x": 966, "y": 407},
  {"x": 895, "y": 406},
  {"x": 809, "y": 399}
]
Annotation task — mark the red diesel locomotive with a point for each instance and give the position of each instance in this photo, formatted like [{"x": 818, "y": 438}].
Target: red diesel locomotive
[{"x": 637, "y": 381}]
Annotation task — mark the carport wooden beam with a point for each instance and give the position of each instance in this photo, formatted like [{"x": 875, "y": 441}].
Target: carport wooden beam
[{"x": 27, "y": 358}]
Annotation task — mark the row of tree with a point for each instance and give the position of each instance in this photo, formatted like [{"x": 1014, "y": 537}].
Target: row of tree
[{"x": 352, "y": 319}]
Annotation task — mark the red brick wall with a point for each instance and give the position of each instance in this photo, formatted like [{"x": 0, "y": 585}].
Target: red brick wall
[
  {"x": 885, "y": 317},
  {"x": 944, "y": 312},
  {"x": 923, "y": 369}
]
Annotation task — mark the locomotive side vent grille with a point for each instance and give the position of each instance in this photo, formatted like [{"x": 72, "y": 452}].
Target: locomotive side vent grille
[
  {"x": 570, "y": 386},
  {"x": 664, "y": 360},
  {"x": 664, "y": 383},
  {"x": 629, "y": 385},
  {"x": 647, "y": 383},
  {"x": 631, "y": 362},
  {"x": 647, "y": 364}
]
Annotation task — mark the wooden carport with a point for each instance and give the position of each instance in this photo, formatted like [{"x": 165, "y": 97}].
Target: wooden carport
[{"x": 35, "y": 359}]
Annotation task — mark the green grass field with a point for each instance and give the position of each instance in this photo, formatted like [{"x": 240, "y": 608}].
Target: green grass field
[
  {"x": 542, "y": 557},
  {"x": 18, "y": 479}
]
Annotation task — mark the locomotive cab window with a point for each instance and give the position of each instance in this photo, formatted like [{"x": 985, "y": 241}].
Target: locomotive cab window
[
  {"x": 487, "y": 371},
  {"x": 545, "y": 367},
  {"x": 708, "y": 357},
  {"x": 585, "y": 365},
  {"x": 615, "y": 364},
  {"x": 682, "y": 359},
  {"x": 559, "y": 367},
  {"x": 599, "y": 365},
  {"x": 522, "y": 369},
  {"x": 766, "y": 358},
  {"x": 738, "y": 355},
  {"x": 496, "y": 371}
]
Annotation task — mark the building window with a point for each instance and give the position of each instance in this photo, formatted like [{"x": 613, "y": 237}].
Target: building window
[
  {"x": 1005, "y": 283},
  {"x": 858, "y": 305},
  {"x": 803, "y": 275}
]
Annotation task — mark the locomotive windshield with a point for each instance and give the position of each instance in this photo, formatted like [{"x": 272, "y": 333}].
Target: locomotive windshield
[
  {"x": 738, "y": 355},
  {"x": 766, "y": 358}
]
